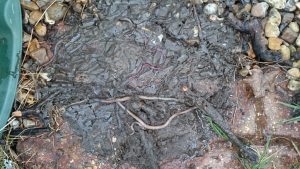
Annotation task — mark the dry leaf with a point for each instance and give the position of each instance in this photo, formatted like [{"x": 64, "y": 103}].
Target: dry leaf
[{"x": 261, "y": 82}]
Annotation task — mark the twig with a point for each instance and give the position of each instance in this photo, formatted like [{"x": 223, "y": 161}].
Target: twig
[
  {"x": 157, "y": 98},
  {"x": 126, "y": 98},
  {"x": 141, "y": 123},
  {"x": 10, "y": 120},
  {"x": 122, "y": 99}
]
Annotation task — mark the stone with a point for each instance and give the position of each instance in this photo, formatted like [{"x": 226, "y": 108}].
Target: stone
[
  {"x": 294, "y": 26},
  {"x": 26, "y": 37},
  {"x": 294, "y": 85},
  {"x": 292, "y": 49},
  {"x": 278, "y": 4},
  {"x": 221, "y": 9},
  {"x": 298, "y": 5},
  {"x": 235, "y": 8},
  {"x": 40, "y": 55},
  {"x": 57, "y": 11},
  {"x": 296, "y": 64},
  {"x": 34, "y": 44},
  {"x": 290, "y": 5},
  {"x": 77, "y": 7},
  {"x": 289, "y": 35},
  {"x": 293, "y": 73},
  {"x": 41, "y": 29},
  {"x": 198, "y": 2},
  {"x": 42, "y": 3},
  {"x": 298, "y": 41},
  {"x": 34, "y": 16},
  {"x": 274, "y": 17},
  {"x": 15, "y": 124},
  {"x": 82, "y": 1},
  {"x": 260, "y": 9},
  {"x": 210, "y": 8},
  {"x": 17, "y": 114},
  {"x": 25, "y": 17},
  {"x": 28, "y": 123},
  {"x": 244, "y": 71},
  {"x": 274, "y": 43},
  {"x": 29, "y": 5},
  {"x": 285, "y": 52},
  {"x": 287, "y": 17},
  {"x": 271, "y": 30}
]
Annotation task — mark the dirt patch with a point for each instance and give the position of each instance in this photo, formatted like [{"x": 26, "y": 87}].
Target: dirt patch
[{"x": 142, "y": 48}]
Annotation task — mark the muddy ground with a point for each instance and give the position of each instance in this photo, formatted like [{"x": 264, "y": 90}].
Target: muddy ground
[{"x": 149, "y": 48}]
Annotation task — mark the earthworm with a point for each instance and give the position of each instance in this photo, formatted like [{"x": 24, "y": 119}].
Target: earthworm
[
  {"x": 127, "y": 20},
  {"x": 73, "y": 39},
  {"x": 54, "y": 54},
  {"x": 156, "y": 98},
  {"x": 75, "y": 49},
  {"x": 141, "y": 123},
  {"x": 142, "y": 68}
]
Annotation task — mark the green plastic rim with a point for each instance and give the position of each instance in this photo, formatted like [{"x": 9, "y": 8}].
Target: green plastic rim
[{"x": 10, "y": 55}]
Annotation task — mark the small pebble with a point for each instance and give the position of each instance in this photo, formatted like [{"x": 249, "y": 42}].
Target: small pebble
[
  {"x": 292, "y": 49},
  {"x": 57, "y": 11},
  {"x": 289, "y": 35},
  {"x": 15, "y": 124},
  {"x": 77, "y": 7},
  {"x": 294, "y": 85},
  {"x": 294, "y": 26},
  {"x": 41, "y": 29},
  {"x": 260, "y": 9},
  {"x": 17, "y": 114},
  {"x": 271, "y": 30},
  {"x": 182, "y": 58},
  {"x": 198, "y": 2},
  {"x": 274, "y": 17},
  {"x": 274, "y": 43},
  {"x": 296, "y": 64},
  {"x": 210, "y": 9},
  {"x": 290, "y": 5},
  {"x": 278, "y": 4},
  {"x": 34, "y": 44},
  {"x": 298, "y": 5},
  {"x": 244, "y": 71},
  {"x": 28, "y": 123},
  {"x": 82, "y": 1},
  {"x": 285, "y": 52},
  {"x": 42, "y": 3},
  {"x": 34, "y": 16},
  {"x": 298, "y": 41},
  {"x": 287, "y": 17},
  {"x": 25, "y": 17},
  {"x": 29, "y": 5},
  {"x": 293, "y": 73},
  {"x": 26, "y": 37},
  {"x": 221, "y": 9},
  {"x": 245, "y": 12},
  {"x": 40, "y": 55}
]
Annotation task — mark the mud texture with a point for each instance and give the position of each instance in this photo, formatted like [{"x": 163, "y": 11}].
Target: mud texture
[{"x": 148, "y": 48}]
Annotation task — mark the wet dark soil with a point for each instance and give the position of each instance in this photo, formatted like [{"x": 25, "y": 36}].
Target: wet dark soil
[{"x": 142, "y": 48}]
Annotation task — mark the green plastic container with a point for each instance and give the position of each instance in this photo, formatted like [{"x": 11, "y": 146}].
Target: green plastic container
[{"x": 10, "y": 55}]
